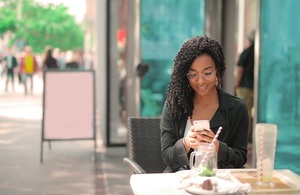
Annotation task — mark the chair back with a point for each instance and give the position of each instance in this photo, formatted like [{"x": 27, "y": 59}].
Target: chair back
[{"x": 144, "y": 143}]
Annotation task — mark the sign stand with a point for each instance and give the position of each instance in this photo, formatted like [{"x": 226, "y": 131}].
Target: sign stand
[{"x": 68, "y": 106}]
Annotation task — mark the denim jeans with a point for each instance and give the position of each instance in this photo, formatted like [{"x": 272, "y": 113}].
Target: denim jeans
[
  {"x": 247, "y": 95},
  {"x": 24, "y": 78}
]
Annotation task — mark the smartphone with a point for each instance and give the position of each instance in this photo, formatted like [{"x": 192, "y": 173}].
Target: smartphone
[{"x": 200, "y": 125}]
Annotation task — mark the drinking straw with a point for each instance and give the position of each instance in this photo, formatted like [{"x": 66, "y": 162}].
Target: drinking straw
[
  {"x": 211, "y": 145},
  {"x": 261, "y": 153}
]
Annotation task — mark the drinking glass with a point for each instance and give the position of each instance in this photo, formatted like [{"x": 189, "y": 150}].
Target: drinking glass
[
  {"x": 265, "y": 146},
  {"x": 204, "y": 160}
]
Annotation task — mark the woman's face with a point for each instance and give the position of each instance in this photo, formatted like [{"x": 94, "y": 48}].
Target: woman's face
[{"x": 202, "y": 75}]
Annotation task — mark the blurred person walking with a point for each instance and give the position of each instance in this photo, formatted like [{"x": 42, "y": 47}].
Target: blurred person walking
[
  {"x": 28, "y": 67},
  {"x": 49, "y": 61},
  {"x": 71, "y": 60},
  {"x": 57, "y": 54},
  {"x": 1, "y": 64},
  {"x": 244, "y": 79},
  {"x": 11, "y": 63}
]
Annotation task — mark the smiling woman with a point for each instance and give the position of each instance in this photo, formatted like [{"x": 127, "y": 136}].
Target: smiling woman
[{"x": 194, "y": 93}]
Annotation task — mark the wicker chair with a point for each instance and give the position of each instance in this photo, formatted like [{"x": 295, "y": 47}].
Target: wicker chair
[{"x": 144, "y": 146}]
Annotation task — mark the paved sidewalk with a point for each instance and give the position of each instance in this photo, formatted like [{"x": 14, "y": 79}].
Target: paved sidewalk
[{"x": 70, "y": 167}]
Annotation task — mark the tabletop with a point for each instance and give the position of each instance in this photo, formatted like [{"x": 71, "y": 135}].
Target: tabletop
[{"x": 287, "y": 182}]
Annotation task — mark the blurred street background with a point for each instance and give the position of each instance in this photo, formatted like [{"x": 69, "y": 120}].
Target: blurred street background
[
  {"x": 70, "y": 167},
  {"x": 130, "y": 45}
]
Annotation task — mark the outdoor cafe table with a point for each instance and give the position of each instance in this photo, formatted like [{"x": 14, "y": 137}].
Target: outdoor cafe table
[{"x": 286, "y": 182}]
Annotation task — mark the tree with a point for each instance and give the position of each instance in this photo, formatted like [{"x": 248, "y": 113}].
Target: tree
[
  {"x": 41, "y": 25},
  {"x": 7, "y": 16}
]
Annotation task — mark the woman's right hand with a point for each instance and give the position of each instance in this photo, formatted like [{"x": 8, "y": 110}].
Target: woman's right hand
[{"x": 191, "y": 139}]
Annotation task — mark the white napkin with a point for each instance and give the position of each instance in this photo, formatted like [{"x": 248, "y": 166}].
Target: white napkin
[
  {"x": 242, "y": 188},
  {"x": 185, "y": 179}
]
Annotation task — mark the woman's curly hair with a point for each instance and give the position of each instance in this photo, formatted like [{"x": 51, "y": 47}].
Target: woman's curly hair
[{"x": 179, "y": 95}]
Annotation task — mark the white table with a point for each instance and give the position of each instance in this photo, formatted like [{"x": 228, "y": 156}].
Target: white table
[{"x": 166, "y": 183}]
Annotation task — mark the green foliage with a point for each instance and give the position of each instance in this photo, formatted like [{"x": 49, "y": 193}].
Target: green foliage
[
  {"x": 7, "y": 16},
  {"x": 41, "y": 25}
]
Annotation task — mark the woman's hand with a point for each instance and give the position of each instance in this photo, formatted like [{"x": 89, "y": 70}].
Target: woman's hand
[
  {"x": 194, "y": 138},
  {"x": 207, "y": 136},
  {"x": 191, "y": 140}
]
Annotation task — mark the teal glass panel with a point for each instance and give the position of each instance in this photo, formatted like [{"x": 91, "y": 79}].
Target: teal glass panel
[
  {"x": 164, "y": 26},
  {"x": 279, "y": 78}
]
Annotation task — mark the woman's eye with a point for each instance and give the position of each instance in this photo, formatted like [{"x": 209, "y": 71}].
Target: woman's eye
[
  {"x": 193, "y": 75},
  {"x": 207, "y": 73}
]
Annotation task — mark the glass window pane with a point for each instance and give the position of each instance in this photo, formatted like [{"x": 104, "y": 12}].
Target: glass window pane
[
  {"x": 165, "y": 25},
  {"x": 279, "y": 79}
]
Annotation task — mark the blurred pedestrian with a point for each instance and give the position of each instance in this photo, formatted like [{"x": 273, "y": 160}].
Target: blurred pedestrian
[
  {"x": 49, "y": 61},
  {"x": 11, "y": 63},
  {"x": 244, "y": 80},
  {"x": 28, "y": 67},
  {"x": 1, "y": 64},
  {"x": 57, "y": 54},
  {"x": 71, "y": 61}
]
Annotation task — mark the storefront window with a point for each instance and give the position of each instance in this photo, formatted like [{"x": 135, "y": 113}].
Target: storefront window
[
  {"x": 279, "y": 78},
  {"x": 164, "y": 26}
]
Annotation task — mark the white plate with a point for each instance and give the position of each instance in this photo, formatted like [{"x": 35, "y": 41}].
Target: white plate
[
  {"x": 223, "y": 186},
  {"x": 183, "y": 176}
]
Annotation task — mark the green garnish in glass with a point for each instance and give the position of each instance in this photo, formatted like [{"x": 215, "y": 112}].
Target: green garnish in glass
[{"x": 207, "y": 172}]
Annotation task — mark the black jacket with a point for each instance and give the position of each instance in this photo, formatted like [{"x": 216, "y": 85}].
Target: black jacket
[
  {"x": 246, "y": 60},
  {"x": 14, "y": 62},
  {"x": 232, "y": 115}
]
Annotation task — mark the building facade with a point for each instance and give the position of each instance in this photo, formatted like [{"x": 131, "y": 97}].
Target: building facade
[{"x": 135, "y": 41}]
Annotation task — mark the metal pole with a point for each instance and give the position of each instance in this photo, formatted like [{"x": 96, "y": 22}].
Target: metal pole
[
  {"x": 133, "y": 58},
  {"x": 256, "y": 79}
]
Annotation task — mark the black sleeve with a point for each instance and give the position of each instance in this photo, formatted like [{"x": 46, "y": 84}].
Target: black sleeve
[
  {"x": 173, "y": 150},
  {"x": 15, "y": 63},
  {"x": 233, "y": 154}
]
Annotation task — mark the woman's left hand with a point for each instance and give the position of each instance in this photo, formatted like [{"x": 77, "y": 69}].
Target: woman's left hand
[{"x": 207, "y": 136}]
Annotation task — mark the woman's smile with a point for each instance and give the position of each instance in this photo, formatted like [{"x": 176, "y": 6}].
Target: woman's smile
[{"x": 202, "y": 87}]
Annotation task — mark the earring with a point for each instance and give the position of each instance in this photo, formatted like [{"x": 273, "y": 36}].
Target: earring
[
  {"x": 190, "y": 89},
  {"x": 218, "y": 82}
]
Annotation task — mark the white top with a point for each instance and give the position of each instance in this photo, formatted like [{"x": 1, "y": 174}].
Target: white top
[{"x": 187, "y": 127}]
